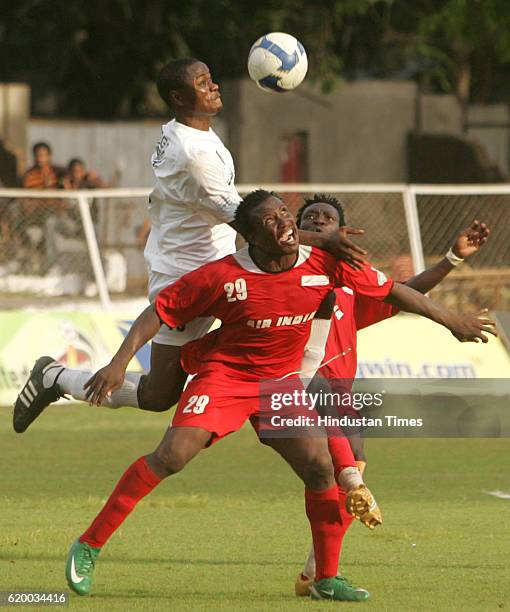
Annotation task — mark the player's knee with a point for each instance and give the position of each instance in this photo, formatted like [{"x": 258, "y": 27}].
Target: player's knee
[
  {"x": 318, "y": 473},
  {"x": 155, "y": 400},
  {"x": 171, "y": 460}
]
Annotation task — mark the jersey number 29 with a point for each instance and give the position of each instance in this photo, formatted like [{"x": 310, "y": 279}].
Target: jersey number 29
[
  {"x": 236, "y": 291},
  {"x": 196, "y": 404}
]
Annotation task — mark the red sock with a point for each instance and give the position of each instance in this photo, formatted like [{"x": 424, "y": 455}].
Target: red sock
[
  {"x": 137, "y": 481},
  {"x": 347, "y": 518},
  {"x": 323, "y": 513},
  {"x": 341, "y": 453}
]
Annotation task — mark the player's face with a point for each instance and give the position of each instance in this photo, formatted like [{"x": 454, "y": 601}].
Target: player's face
[
  {"x": 274, "y": 228},
  {"x": 201, "y": 96},
  {"x": 320, "y": 217}
]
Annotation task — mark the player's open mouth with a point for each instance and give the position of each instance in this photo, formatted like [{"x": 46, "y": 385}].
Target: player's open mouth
[{"x": 288, "y": 237}]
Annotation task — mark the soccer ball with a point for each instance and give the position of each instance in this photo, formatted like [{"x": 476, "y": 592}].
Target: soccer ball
[{"x": 277, "y": 62}]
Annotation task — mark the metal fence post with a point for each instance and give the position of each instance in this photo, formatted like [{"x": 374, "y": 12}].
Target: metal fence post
[
  {"x": 95, "y": 257},
  {"x": 413, "y": 229}
]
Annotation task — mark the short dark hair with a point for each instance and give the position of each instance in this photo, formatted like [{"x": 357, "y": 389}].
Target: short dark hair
[
  {"x": 173, "y": 76},
  {"x": 41, "y": 145},
  {"x": 242, "y": 220},
  {"x": 322, "y": 198},
  {"x": 74, "y": 162}
]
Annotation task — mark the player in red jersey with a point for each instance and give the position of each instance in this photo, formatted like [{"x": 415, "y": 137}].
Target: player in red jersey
[
  {"x": 353, "y": 312},
  {"x": 266, "y": 296}
]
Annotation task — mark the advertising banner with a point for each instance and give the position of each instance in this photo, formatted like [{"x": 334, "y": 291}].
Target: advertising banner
[{"x": 79, "y": 340}]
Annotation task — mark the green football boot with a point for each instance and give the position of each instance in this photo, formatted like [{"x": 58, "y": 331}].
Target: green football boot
[
  {"x": 337, "y": 589},
  {"x": 80, "y": 567}
]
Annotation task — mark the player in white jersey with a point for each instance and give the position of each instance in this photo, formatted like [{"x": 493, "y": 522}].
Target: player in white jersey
[{"x": 192, "y": 204}]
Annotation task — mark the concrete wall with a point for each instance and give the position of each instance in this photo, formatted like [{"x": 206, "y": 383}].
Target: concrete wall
[
  {"x": 440, "y": 114},
  {"x": 356, "y": 134},
  {"x": 106, "y": 147},
  {"x": 494, "y": 136},
  {"x": 14, "y": 115}
]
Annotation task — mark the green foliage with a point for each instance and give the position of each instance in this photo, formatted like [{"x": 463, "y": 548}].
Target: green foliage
[{"x": 92, "y": 58}]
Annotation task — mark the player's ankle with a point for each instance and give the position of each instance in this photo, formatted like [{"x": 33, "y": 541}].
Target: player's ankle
[{"x": 349, "y": 478}]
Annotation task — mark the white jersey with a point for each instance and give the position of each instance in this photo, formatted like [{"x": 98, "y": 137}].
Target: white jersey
[{"x": 193, "y": 200}]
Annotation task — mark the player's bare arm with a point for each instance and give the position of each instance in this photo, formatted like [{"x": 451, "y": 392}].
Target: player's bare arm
[
  {"x": 108, "y": 379},
  {"x": 465, "y": 327},
  {"x": 468, "y": 243}
]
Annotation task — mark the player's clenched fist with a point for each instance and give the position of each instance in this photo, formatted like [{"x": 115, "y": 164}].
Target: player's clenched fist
[{"x": 104, "y": 382}]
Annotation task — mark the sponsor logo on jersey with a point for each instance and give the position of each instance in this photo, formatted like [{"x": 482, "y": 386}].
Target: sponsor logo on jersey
[
  {"x": 314, "y": 280},
  {"x": 281, "y": 321},
  {"x": 158, "y": 156}
]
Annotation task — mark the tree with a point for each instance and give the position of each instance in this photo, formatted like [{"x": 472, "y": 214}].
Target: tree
[{"x": 100, "y": 59}]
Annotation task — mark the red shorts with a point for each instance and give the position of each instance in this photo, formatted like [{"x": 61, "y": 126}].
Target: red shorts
[{"x": 216, "y": 402}]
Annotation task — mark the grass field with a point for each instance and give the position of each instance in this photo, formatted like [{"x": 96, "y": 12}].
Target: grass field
[{"x": 229, "y": 533}]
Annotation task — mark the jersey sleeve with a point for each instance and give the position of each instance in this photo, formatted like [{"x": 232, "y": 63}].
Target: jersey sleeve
[
  {"x": 217, "y": 195},
  {"x": 192, "y": 296},
  {"x": 368, "y": 281},
  {"x": 368, "y": 311}
]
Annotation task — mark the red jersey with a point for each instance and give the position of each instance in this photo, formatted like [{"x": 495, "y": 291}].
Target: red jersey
[
  {"x": 353, "y": 311},
  {"x": 265, "y": 317}
]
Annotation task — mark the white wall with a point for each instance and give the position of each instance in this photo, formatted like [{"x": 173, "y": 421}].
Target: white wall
[{"x": 104, "y": 146}]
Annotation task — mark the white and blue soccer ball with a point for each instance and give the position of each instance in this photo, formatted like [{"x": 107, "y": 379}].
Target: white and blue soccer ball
[{"x": 277, "y": 62}]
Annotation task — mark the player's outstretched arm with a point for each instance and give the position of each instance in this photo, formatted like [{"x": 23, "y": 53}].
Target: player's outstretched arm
[
  {"x": 338, "y": 245},
  {"x": 110, "y": 378},
  {"x": 465, "y": 327},
  {"x": 468, "y": 242}
]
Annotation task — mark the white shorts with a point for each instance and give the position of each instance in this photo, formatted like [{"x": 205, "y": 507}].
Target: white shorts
[{"x": 175, "y": 337}]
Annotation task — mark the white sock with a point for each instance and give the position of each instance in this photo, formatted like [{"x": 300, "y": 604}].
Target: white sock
[
  {"x": 127, "y": 395},
  {"x": 71, "y": 382},
  {"x": 309, "y": 569},
  {"x": 349, "y": 478},
  {"x": 315, "y": 349}
]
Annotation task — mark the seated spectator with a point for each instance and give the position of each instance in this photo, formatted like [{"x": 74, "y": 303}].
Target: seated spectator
[
  {"x": 78, "y": 177},
  {"x": 43, "y": 174},
  {"x": 38, "y": 215}
]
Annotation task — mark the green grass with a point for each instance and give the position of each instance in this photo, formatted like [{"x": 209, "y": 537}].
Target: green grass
[{"x": 229, "y": 533}]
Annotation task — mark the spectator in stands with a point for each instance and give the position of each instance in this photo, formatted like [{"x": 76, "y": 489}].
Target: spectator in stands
[
  {"x": 78, "y": 177},
  {"x": 43, "y": 174},
  {"x": 39, "y": 216}
]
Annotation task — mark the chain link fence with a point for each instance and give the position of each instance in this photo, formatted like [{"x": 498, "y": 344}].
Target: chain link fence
[
  {"x": 43, "y": 250},
  {"x": 56, "y": 245},
  {"x": 47, "y": 251},
  {"x": 382, "y": 217},
  {"x": 484, "y": 279}
]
